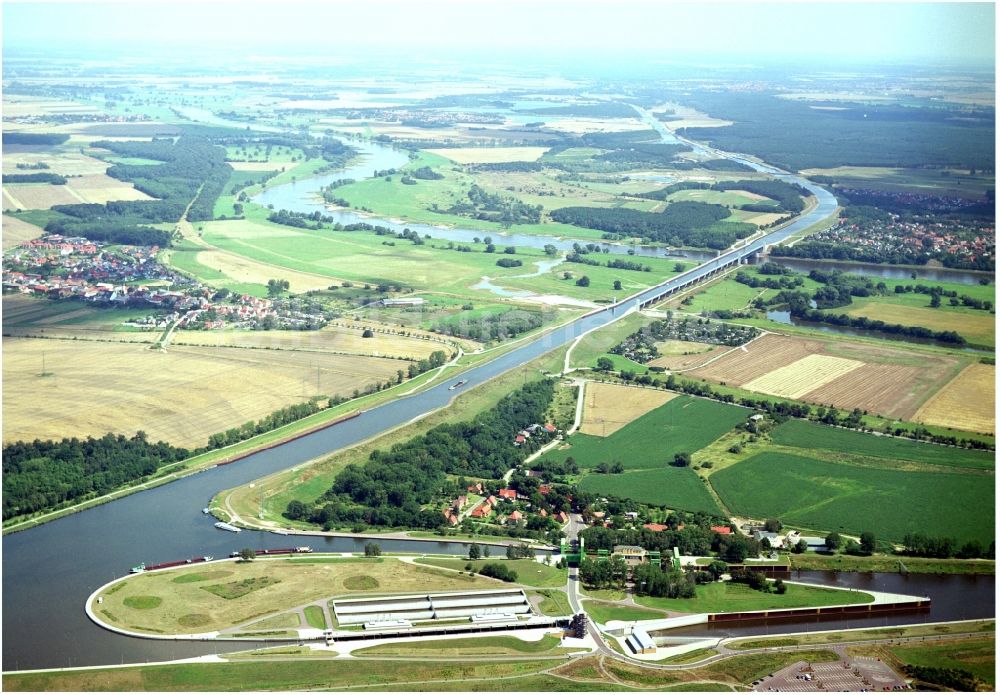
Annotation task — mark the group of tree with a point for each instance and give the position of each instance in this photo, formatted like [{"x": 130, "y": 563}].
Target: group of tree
[
  {"x": 921, "y": 545},
  {"x": 696, "y": 538},
  {"x": 642, "y": 346},
  {"x": 494, "y": 207},
  {"x": 685, "y": 223},
  {"x": 393, "y": 486},
  {"x": 44, "y": 177},
  {"x": 493, "y": 326},
  {"x": 39, "y": 475},
  {"x": 788, "y": 196}
]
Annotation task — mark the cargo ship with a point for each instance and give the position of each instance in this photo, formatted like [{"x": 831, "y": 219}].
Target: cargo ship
[
  {"x": 276, "y": 551},
  {"x": 143, "y": 567},
  {"x": 226, "y": 527},
  {"x": 458, "y": 384}
]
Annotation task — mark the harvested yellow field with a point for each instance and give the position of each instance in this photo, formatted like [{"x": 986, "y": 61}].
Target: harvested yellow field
[
  {"x": 37, "y": 196},
  {"x": 246, "y": 270},
  {"x": 15, "y": 232},
  {"x": 332, "y": 339},
  {"x": 764, "y": 218},
  {"x": 609, "y": 407},
  {"x": 22, "y": 105},
  {"x": 100, "y": 188},
  {"x": 802, "y": 376},
  {"x": 67, "y": 163},
  {"x": 978, "y": 327},
  {"x": 490, "y": 155},
  {"x": 181, "y": 396},
  {"x": 968, "y": 401},
  {"x": 205, "y": 597}
]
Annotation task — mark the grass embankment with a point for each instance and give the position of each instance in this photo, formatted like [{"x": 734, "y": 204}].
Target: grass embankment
[
  {"x": 308, "y": 482},
  {"x": 552, "y": 603},
  {"x": 602, "y": 612},
  {"x": 473, "y": 646},
  {"x": 890, "y": 563},
  {"x": 819, "y": 638},
  {"x": 726, "y": 597},
  {"x": 227, "y": 594},
  {"x": 977, "y": 656},
  {"x": 529, "y": 572},
  {"x": 271, "y": 675}
]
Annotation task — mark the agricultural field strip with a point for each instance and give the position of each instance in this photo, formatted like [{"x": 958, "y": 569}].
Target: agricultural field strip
[{"x": 802, "y": 376}]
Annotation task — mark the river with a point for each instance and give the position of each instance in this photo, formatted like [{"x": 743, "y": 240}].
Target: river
[{"x": 50, "y": 570}]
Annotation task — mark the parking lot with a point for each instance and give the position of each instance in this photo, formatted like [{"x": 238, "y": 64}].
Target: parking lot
[{"x": 856, "y": 675}]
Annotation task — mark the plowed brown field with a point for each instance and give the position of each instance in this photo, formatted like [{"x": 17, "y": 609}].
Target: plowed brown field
[{"x": 891, "y": 381}]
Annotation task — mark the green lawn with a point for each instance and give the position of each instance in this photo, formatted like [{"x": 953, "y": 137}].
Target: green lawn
[
  {"x": 977, "y": 656},
  {"x": 726, "y": 597},
  {"x": 667, "y": 486},
  {"x": 529, "y": 572},
  {"x": 268, "y": 675},
  {"x": 602, "y": 612},
  {"x": 315, "y": 617},
  {"x": 553, "y": 602},
  {"x": 811, "y": 435},
  {"x": 474, "y": 646},
  {"x": 684, "y": 424},
  {"x": 851, "y": 498}
]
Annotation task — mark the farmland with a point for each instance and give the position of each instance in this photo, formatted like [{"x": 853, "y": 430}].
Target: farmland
[
  {"x": 609, "y": 407},
  {"x": 186, "y": 606},
  {"x": 490, "y": 155},
  {"x": 182, "y": 395},
  {"x": 684, "y": 424},
  {"x": 852, "y": 498},
  {"x": 16, "y": 232},
  {"x": 811, "y": 435},
  {"x": 886, "y": 380},
  {"x": 978, "y": 327},
  {"x": 667, "y": 486},
  {"x": 967, "y": 402}
]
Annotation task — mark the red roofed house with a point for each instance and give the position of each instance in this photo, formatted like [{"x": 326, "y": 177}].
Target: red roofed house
[
  {"x": 722, "y": 530},
  {"x": 563, "y": 517},
  {"x": 508, "y": 494},
  {"x": 656, "y": 527},
  {"x": 483, "y": 510},
  {"x": 491, "y": 500},
  {"x": 515, "y": 516},
  {"x": 544, "y": 489},
  {"x": 478, "y": 487},
  {"x": 518, "y": 440},
  {"x": 543, "y": 514}
]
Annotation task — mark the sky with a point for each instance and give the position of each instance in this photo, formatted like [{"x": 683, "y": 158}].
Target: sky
[{"x": 899, "y": 32}]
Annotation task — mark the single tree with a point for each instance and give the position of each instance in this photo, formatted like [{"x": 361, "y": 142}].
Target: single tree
[
  {"x": 617, "y": 284},
  {"x": 475, "y": 552},
  {"x": 372, "y": 550},
  {"x": 584, "y": 281},
  {"x": 833, "y": 541},
  {"x": 868, "y": 542},
  {"x": 605, "y": 364},
  {"x": 247, "y": 554}
]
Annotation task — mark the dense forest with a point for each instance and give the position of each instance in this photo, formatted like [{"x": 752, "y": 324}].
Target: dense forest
[
  {"x": 16, "y": 138},
  {"x": 44, "y": 177},
  {"x": 393, "y": 486},
  {"x": 38, "y": 475},
  {"x": 686, "y": 223},
  {"x": 794, "y": 135}
]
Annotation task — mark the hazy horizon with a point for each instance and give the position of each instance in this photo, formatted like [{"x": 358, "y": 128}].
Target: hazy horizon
[{"x": 830, "y": 33}]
